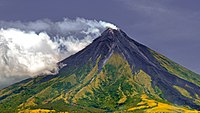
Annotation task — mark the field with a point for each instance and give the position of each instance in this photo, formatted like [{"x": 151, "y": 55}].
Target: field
[{"x": 152, "y": 106}]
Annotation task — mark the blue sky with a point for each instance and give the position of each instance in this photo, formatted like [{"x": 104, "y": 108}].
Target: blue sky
[{"x": 171, "y": 27}]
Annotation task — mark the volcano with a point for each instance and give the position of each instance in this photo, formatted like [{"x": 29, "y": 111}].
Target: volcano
[{"x": 112, "y": 74}]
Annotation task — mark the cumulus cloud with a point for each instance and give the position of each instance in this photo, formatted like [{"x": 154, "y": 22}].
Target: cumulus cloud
[{"x": 28, "y": 49}]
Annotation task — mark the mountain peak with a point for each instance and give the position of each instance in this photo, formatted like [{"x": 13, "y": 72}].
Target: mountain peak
[
  {"x": 115, "y": 46},
  {"x": 113, "y": 73},
  {"x": 112, "y": 35},
  {"x": 110, "y": 31}
]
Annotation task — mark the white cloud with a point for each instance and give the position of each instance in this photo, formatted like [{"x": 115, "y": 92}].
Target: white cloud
[
  {"x": 28, "y": 49},
  {"x": 26, "y": 53},
  {"x": 62, "y": 28}
]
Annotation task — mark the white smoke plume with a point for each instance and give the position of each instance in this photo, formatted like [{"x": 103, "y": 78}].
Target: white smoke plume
[{"x": 28, "y": 49}]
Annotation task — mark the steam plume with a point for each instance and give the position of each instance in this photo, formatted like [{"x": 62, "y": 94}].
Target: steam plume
[{"x": 28, "y": 49}]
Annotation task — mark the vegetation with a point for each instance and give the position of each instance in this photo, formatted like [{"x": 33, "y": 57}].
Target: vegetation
[
  {"x": 114, "y": 88},
  {"x": 151, "y": 106},
  {"x": 183, "y": 91},
  {"x": 177, "y": 69}
]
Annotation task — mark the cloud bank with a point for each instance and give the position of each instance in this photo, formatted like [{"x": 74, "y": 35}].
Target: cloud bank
[{"x": 28, "y": 49}]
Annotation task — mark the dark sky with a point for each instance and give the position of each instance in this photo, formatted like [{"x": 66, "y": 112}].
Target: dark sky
[{"x": 171, "y": 27}]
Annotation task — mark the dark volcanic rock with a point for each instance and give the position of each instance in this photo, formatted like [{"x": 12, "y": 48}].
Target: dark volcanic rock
[
  {"x": 138, "y": 56},
  {"x": 93, "y": 80}
]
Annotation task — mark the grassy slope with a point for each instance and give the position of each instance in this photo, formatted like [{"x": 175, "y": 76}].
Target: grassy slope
[
  {"x": 151, "y": 106},
  {"x": 114, "y": 88},
  {"x": 38, "y": 93},
  {"x": 38, "y": 111},
  {"x": 177, "y": 69}
]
